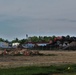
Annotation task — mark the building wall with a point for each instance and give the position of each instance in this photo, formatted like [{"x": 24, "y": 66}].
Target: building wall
[
  {"x": 4, "y": 45},
  {"x": 15, "y": 44}
]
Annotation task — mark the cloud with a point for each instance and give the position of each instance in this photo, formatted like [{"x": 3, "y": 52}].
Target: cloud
[
  {"x": 37, "y": 17},
  {"x": 66, "y": 20}
]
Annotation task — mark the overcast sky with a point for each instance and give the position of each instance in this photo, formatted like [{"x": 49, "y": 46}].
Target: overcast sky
[{"x": 37, "y": 17}]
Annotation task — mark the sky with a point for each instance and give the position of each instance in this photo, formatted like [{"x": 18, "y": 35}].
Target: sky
[{"x": 37, "y": 17}]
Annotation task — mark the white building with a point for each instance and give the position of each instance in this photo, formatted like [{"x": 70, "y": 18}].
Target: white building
[{"x": 16, "y": 44}]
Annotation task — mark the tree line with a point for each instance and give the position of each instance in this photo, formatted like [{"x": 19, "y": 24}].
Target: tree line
[{"x": 39, "y": 39}]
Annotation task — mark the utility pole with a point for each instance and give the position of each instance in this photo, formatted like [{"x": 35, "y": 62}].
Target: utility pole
[
  {"x": 27, "y": 36},
  {"x": 27, "y": 40}
]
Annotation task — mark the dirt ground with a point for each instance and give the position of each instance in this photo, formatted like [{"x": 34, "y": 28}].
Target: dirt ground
[{"x": 56, "y": 57}]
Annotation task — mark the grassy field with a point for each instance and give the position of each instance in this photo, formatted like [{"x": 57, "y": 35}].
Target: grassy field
[
  {"x": 49, "y": 58},
  {"x": 51, "y": 63},
  {"x": 42, "y": 70}
]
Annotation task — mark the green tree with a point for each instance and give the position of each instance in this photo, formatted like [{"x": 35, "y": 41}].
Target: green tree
[
  {"x": 22, "y": 41},
  {"x": 6, "y": 41},
  {"x": 1, "y": 40},
  {"x": 34, "y": 39},
  {"x": 15, "y": 40},
  {"x": 47, "y": 39}
]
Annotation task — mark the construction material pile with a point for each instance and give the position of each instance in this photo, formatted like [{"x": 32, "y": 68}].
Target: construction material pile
[{"x": 20, "y": 52}]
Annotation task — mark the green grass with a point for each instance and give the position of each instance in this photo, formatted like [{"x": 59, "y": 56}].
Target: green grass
[
  {"x": 69, "y": 74},
  {"x": 34, "y": 70}
]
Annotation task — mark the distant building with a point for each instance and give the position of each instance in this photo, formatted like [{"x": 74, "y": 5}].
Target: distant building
[
  {"x": 15, "y": 45},
  {"x": 41, "y": 44},
  {"x": 4, "y": 45},
  {"x": 32, "y": 44},
  {"x": 29, "y": 45}
]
